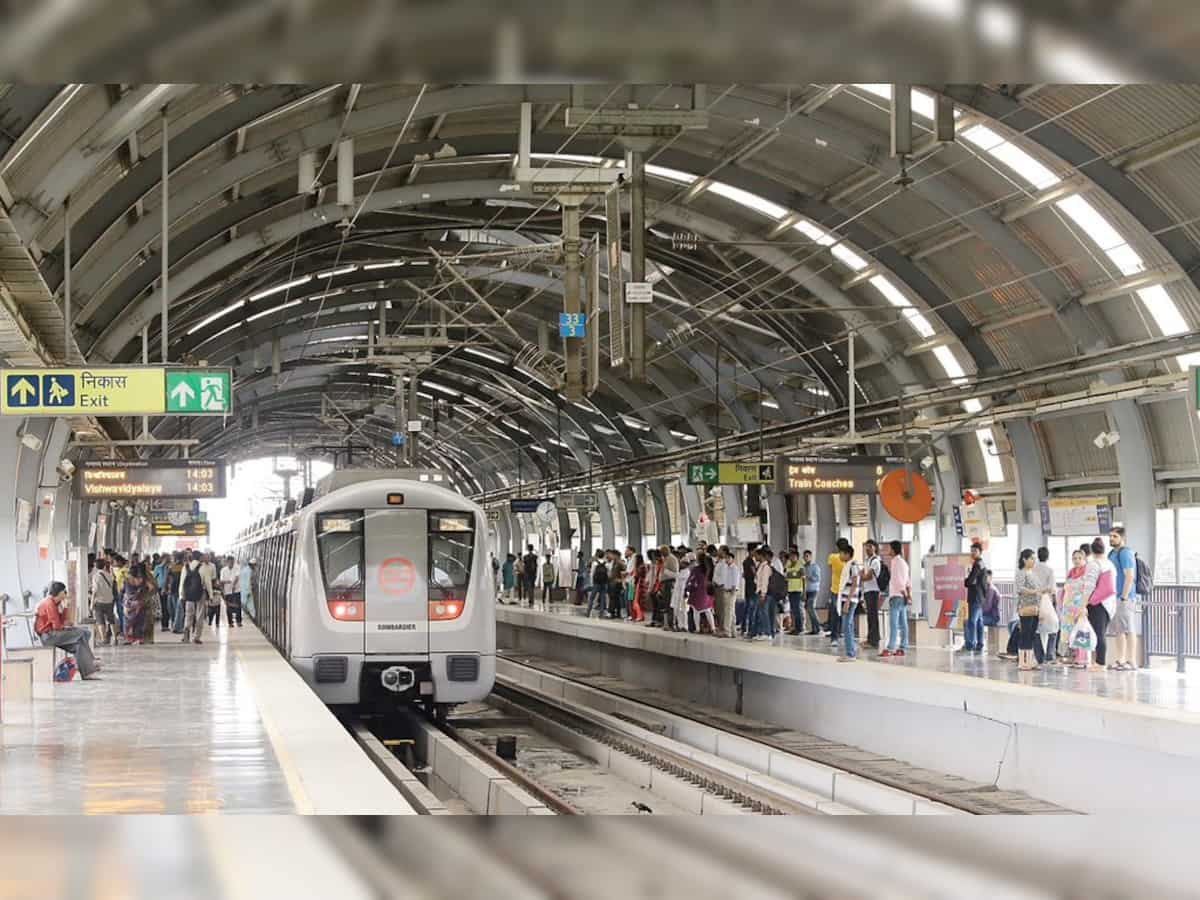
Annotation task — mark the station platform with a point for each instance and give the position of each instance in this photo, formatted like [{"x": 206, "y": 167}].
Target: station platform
[
  {"x": 1090, "y": 741},
  {"x": 225, "y": 726}
]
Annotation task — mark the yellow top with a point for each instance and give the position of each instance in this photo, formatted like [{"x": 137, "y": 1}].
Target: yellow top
[{"x": 835, "y": 571}]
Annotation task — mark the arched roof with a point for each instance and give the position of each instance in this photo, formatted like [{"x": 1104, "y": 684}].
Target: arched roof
[{"x": 1050, "y": 234}]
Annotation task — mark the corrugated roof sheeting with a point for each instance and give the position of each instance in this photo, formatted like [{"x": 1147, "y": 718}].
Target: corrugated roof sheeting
[
  {"x": 1070, "y": 452},
  {"x": 1171, "y": 434}
]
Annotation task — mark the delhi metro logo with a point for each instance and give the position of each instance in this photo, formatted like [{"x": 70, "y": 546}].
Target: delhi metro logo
[{"x": 397, "y": 576}]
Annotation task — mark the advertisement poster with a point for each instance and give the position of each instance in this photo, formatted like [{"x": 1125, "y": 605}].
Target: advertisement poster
[
  {"x": 1072, "y": 516},
  {"x": 949, "y": 573}
]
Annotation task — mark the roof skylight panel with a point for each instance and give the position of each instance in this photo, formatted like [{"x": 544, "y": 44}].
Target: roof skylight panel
[
  {"x": 670, "y": 174},
  {"x": 814, "y": 234},
  {"x": 848, "y": 257},
  {"x": 751, "y": 201}
]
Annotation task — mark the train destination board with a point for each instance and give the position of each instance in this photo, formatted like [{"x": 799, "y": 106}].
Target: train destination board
[
  {"x": 114, "y": 479},
  {"x": 834, "y": 474},
  {"x": 190, "y": 529}
]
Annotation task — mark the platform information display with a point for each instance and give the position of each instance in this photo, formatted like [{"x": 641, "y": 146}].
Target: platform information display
[
  {"x": 578, "y": 501},
  {"x": 115, "y": 391},
  {"x": 1076, "y": 516},
  {"x": 168, "y": 529},
  {"x": 712, "y": 473},
  {"x": 834, "y": 474},
  {"x": 115, "y": 479}
]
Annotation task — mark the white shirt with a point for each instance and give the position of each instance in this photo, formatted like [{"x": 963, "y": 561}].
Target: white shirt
[
  {"x": 870, "y": 574},
  {"x": 231, "y": 579},
  {"x": 727, "y": 575},
  {"x": 849, "y": 570},
  {"x": 777, "y": 565}
]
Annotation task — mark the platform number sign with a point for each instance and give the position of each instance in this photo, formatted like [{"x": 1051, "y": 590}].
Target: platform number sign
[{"x": 572, "y": 325}]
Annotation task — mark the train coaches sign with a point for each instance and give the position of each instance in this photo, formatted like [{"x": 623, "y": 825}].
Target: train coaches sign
[
  {"x": 114, "y": 479},
  {"x": 834, "y": 474}
]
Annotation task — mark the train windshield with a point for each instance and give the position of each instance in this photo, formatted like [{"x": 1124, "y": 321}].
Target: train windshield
[
  {"x": 340, "y": 540},
  {"x": 451, "y": 545}
]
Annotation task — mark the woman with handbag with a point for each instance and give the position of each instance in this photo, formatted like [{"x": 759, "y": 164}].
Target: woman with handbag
[{"x": 1029, "y": 594}]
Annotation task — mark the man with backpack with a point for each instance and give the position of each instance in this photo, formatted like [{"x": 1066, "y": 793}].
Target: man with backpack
[
  {"x": 1130, "y": 571},
  {"x": 194, "y": 591},
  {"x": 873, "y": 583}
]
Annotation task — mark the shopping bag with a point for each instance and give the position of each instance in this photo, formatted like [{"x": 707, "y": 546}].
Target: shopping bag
[{"x": 1083, "y": 637}]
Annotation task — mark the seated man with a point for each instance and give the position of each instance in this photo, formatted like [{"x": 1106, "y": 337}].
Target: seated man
[{"x": 54, "y": 631}]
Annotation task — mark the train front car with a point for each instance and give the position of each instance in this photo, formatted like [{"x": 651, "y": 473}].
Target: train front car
[{"x": 392, "y": 600}]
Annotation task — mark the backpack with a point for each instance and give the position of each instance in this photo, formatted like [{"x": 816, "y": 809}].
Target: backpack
[
  {"x": 66, "y": 670},
  {"x": 193, "y": 586},
  {"x": 1144, "y": 582},
  {"x": 883, "y": 579},
  {"x": 776, "y": 584}
]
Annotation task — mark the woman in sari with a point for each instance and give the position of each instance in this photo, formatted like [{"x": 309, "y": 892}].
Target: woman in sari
[
  {"x": 637, "y": 589},
  {"x": 508, "y": 576},
  {"x": 135, "y": 599}
]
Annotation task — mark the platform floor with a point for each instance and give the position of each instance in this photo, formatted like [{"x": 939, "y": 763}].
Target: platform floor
[
  {"x": 1160, "y": 688},
  {"x": 226, "y": 726},
  {"x": 166, "y": 728}
]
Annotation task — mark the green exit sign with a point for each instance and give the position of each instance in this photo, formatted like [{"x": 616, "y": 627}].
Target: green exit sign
[
  {"x": 199, "y": 391},
  {"x": 1194, "y": 371}
]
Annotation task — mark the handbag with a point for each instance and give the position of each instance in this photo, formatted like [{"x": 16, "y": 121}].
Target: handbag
[{"x": 1083, "y": 637}]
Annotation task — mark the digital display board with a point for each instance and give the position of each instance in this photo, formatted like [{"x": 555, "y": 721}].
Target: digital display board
[
  {"x": 528, "y": 504},
  {"x": 833, "y": 474},
  {"x": 115, "y": 479},
  {"x": 191, "y": 529}
]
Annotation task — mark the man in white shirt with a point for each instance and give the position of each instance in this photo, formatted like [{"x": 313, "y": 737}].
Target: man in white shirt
[
  {"x": 848, "y": 592},
  {"x": 872, "y": 566},
  {"x": 212, "y": 588},
  {"x": 726, "y": 578},
  {"x": 231, "y": 587}
]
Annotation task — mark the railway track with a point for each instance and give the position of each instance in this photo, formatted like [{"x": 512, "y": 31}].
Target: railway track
[{"x": 865, "y": 781}]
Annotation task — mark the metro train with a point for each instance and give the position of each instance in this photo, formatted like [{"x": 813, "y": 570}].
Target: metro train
[{"x": 378, "y": 592}]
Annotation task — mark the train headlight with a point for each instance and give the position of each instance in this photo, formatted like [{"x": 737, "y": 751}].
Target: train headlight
[{"x": 445, "y": 610}]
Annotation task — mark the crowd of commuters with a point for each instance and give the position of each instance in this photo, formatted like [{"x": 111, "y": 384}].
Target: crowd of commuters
[
  {"x": 705, "y": 590},
  {"x": 131, "y": 598}
]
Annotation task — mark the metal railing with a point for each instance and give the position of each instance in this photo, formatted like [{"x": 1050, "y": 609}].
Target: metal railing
[{"x": 1170, "y": 622}]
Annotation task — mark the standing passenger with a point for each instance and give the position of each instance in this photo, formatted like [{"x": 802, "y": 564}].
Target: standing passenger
[
  {"x": 899, "y": 600},
  {"x": 519, "y": 574},
  {"x": 666, "y": 585},
  {"x": 212, "y": 588},
  {"x": 871, "y": 570},
  {"x": 174, "y": 587},
  {"x": 794, "y": 570},
  {"x": 135, "y": 598},
  {"x": 678, "y": 613},
  {"x": 1073, "y": 604},
  {"x": 231, "y": 587},
  {"x": 548, "y": 580},
  {"x": 848, "y": 594},
  {"x": 836, "y": 567},
  {"x": 1125, "y": 562},
  {"x": 812, "y": 587},
  {"x": 195, "y": 599},
  {"x": 104, "y": 598},
  {"x": 598, "y": 592},
  {"x": 1103, "y": 602},
  {"x": 1045, "y": 578},
  {"x": 508, "y": 577},
  {"x": 529, "y": 571},
  {"x": 698, "y": 597},
  {"x": 1029, "y": 593},
  {"x": 976, "y": 594}
]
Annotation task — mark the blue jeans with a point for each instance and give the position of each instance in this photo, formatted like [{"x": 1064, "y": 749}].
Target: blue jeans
[
  {"x": 810, "y": 607},
  {"x": 597, "y": 590},
  {"x": 795, "y": 605},
  {"x": 897, "y": 624},
  {"x": 180, "y": 616},
  {"x": 973, "y": 629},
  {"x": 848, "y": 630},
  {"x": 760, "y": 613}
]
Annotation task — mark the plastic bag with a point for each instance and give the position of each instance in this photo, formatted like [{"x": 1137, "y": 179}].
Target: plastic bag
[
  {"x": 1083, "y": 637},
  {"x": 1047, "y": 616}
]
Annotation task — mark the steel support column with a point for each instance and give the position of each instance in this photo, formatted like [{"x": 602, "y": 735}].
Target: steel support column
[
  {"x": 637, "y": 263},
  {"x": 778, "y": 527},
  {"x": 1031, "y": 482},
  {"x": 634, "y": 535},
  {"x": 662, "y": 512}
]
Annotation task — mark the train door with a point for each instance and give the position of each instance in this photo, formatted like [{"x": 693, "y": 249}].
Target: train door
[{"x": 397, "y": 567}]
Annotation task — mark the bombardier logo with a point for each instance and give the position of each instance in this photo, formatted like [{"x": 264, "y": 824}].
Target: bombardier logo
[{"x": 396, "y": 626}]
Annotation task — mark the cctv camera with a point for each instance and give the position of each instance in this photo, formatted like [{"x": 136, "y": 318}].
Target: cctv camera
[{"x": 66, "y": 470}]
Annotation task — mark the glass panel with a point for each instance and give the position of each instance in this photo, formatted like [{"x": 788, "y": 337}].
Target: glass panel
[
  {"x": 450, "y": 554},
  {"x": 340, "y": 545},
  {"x": 1164, "y": 563},
  {"x": 1188, "y": 564}
]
